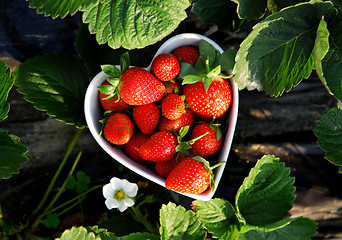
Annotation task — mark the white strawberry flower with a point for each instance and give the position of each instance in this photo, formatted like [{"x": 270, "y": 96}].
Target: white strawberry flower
[{"x": 119, "y": 194}]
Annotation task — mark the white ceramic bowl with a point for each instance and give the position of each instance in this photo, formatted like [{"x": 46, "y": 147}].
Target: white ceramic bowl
[{"x": 93, "y": 115}]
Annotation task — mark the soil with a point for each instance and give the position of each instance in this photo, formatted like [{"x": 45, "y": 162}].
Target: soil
[{"x": 280, "y": 126}]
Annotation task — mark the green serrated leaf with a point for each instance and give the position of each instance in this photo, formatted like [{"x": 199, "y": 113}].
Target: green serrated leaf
[
  {"x": 321, "y": 48},
  {"x": 104, "y": 234},
  {"x": 177, "y": 223},
  {"x": 251, "y": 13},
  {"x": 12, "y": 155},
  {"x": 57, "y": 84},
  {"x": 278, "y": 53},
  {"x": 218, "y": 217},
  {"x": 140, "y": 236},
  {"x": 227, "y": 59},
  {"x": 60, "y": 8},
  {"x": 78, "y": 233},
  {"x": 6, "y": 84},
  {"x": 328, "y": 130},
  {"x": 111, "y": 71},
  {"x": 266, "y": 195},
  {"x": 297, "y": 229},
  {"x": 221, "y": 13},
  {"x": 330, "y": 70},
  {"x": 52, "y": 220},
  {"x": 134, "y": 24}
]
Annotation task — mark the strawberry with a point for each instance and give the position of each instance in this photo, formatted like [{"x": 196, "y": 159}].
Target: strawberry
[
  {"x": 187, "y": 119},
  {"x": 131, "y": 148},
  {"x": 211, "y": 103},
  {"x": 192, "y": 175},
  {"x": 138, "y": 87},
  {"x": 146, "y": 117},
  {"x": 187, "y": 54},
  {"x": 165, "y": 66},
  {"x": 118, "y": 128},
  {"x": 160, "y": 147},
  {"x": 110, "y": 103},
  {"x": 173, "y": 106},
  {"x": 163, "y": 169},
  {"x": 208, "y": 144}
]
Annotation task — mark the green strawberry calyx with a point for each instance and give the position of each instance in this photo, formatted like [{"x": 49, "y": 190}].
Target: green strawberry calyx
[
  {"x": 207, "y": 166},
  {"x": 183, "y": 147},
  {"x": 114, "y": 74},
  {"x": 209, "y": 66}
]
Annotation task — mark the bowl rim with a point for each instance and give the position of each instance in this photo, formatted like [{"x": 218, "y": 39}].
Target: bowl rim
[{"x": 92, "y": 115}]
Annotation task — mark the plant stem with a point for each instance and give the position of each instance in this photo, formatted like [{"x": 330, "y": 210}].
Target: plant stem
[
  {"x": 61, "y": 189},
  {"x": 137, "y": 216},
  {"x": 52, "y": 183}
]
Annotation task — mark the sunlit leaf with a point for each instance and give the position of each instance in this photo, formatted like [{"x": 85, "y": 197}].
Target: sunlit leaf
[
  {"x": 134, "y": 24},
  {"x": 60, "y": 8},
  {"x": 278, "y": 53}
]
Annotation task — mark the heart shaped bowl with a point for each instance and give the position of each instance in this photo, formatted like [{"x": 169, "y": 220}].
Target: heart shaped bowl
[{"x": 94, "y": 113}]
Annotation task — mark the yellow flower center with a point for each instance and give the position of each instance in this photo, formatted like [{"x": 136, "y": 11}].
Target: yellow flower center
[{"x": 119, "y": 195}]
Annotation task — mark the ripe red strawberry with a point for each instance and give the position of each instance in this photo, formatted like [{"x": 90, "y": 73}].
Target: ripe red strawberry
[
  {"x": 131, "y": 148},
  {"x": 160, "y": 147},
  {"x": 112, "y": 104},
  {"x": 163, "y": 169},
  {"x": 146, "y": 117},
  {"x": 211, "y": 103},
  {"x": 118, "y": 129},
  {"x": 173, "y": 106},
  {"x": 138, "y": 87},
  {"x": 192, "y": 175},
  {"x": 208, "y": 144},
  {"x": 167, "y": 125},
  {"x": 187, "y": 54},
  {"x": 173, "y": 86},
  {"x": 165, "y": 66}
]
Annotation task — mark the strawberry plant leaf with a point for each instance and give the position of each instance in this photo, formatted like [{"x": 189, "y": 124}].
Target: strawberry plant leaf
[
  {"x": 227, "y": 59},
  {"x": 55, "y": 83},
  {"x": 298, "y": 228},
  {"x": 278, "y": 53},
  {"x": 102, "y": 233},
  {"x": 330, "y": 70},
  {"x": 177, "y": 223},
  {"x": 221, "y": 13},
  {"x": 12, "y": 155},
  {"x": 218, "y": 217},
  {"x": 245, "y": 10},
  {"x": 134, "y": 24},
  {"x": 140, "y": 236},
  {"x": 78, "y": 233},
  {"x": 6, "y": 84},
  {"x": 328, "y": 130},
  {"x": 266, "y": 195},
  {"x": 209, "y": 56},
  {"x": 60, "y": 8},
  {"x": 51, "y": 221}
]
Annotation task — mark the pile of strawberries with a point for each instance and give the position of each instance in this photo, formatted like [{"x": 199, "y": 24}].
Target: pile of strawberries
[{"x": 166, "y": 116}]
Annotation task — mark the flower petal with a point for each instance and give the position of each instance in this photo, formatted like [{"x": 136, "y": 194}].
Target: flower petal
[
  {"x": 131, "y": 189},
  {"x": 128, "y": 202},
  {"x": 112, "y": 203},
  {"x": 122, "y": 206},
  {"x": 108, "y": 191},
  {"x": 117, "y": 183}
]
